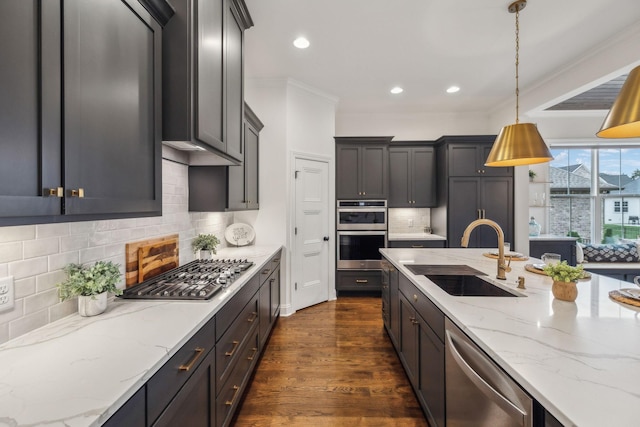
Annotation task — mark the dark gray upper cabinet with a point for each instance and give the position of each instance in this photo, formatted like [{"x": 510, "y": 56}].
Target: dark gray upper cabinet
[
  {"x": 203, "y": 75},
  {"x": 243, "y": 179},
  {"x": 468, "y": 158},
  {"x": 412, "y": 176},
  {"x": 80, "y": 107},
  {"x": 362, "y": 167}
]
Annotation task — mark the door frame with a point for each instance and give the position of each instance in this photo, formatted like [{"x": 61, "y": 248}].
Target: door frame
[{"x": 331, "y": 208}]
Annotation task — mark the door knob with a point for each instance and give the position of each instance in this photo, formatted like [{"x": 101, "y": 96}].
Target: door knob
[{"x": 325, "y": 238}]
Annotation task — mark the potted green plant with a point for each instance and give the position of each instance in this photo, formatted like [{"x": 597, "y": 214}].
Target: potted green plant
[
  {"x": 532, "y": 175},
  {"x": 90, "y": 284},
  {"x": 564, "y": 278},
  {"x": 205, "y": 245}
]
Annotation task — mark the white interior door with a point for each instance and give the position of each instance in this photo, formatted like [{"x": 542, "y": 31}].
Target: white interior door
[{"x": 311, "y": 235}]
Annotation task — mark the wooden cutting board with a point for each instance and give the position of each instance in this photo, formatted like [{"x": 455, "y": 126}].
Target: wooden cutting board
[{"x": 148, "y": 258}]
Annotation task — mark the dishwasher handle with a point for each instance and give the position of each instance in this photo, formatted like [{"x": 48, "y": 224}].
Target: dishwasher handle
[{"x": 504, "y": 403}]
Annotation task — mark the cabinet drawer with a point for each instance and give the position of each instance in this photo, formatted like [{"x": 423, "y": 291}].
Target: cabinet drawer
[
  {"x": 359, "y": 280},
  {"x": 229, "y": 347},
  {"x": 171, "y": 377},
  {"x": 232, "y": 390},
  {"x": 227, "y": 315},
  {"x": 423, "y": 305},
  {"x": 417, "y": 243}
]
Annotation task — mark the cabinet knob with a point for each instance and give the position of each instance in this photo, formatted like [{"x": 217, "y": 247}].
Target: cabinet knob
[
  {"x": 415, "y": 297},
  {"x": 325, "y": 238},
  {"x": 54, "y": 192},
  {"x": 77, "y": 193}
]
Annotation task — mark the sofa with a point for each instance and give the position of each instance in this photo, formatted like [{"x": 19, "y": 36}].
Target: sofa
[{"x": 620, "y": 260}]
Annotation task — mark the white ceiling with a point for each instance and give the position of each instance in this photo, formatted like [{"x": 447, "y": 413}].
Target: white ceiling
[{"x": 360, "y": 49}]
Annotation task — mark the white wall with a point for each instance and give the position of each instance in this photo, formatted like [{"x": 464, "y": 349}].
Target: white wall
[{"x": 297, "y": 119}]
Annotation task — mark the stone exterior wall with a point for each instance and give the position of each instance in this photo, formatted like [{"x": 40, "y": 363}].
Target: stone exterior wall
[{"x": 570, "y": 214}]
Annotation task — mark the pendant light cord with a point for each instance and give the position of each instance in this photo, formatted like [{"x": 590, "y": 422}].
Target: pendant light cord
[{"x": 517, "y": 63}]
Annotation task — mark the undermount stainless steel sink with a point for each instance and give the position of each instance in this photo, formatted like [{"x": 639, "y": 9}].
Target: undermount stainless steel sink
[
  {"x": 468, "y": 286},
  {"x": 461, "y": 280}
]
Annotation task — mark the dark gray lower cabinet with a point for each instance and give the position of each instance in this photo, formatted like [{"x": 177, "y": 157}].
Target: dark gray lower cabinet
[
  {"x": 203, "y": 382},
  {"x": 358, "y": 280},
  {"x": 421, "y": 349}
]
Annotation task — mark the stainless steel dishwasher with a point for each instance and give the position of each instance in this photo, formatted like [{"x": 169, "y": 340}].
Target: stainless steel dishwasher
[{"x": 479, "y": 392}]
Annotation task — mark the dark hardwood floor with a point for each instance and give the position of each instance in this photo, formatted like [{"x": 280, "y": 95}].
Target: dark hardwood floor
[{"x": 331, "y": 365}]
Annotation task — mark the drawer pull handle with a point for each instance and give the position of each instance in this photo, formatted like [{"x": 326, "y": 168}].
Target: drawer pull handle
[
  {"x": 415, "y": 297},
  {"x": 276, "y": 260},
  {"x": 362, "y": 281},
  {"x": 199, "y": 352},
  {"x": 54, "y": 192},
  {"x": 254, "y": 316},
  {"x": 255, "y": 350},
  {"x": 235, "y": 394},
  {"x": 417, "y": 246},
  {"x": 266, "y": 271},
  {"x": 233, "y": 350}
]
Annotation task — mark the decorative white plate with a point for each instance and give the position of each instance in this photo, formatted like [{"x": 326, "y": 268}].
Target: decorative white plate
[
  {"x": 539, "y": 266},
  {"x": 239, "y": 234}
]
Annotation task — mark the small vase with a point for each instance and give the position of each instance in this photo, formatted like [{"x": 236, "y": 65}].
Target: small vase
[
  {"x": 565, "y": 291},
  {"x": 204, "y": 255},
  {"x": 92, "y": 305}
]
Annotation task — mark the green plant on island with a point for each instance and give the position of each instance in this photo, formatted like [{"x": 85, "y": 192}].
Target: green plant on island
[
  {"x": 563, "y": 272},
  {"x": 205, "y": 242},
  {"x": 89, "y": 280}
]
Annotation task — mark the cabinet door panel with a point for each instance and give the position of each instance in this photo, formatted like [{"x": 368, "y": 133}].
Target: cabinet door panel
[
  {"x": 463, "y": 160},
  {"x": 463, "y": 208},
  {"x": 112, "y": 138},
  {"x": 233, "y": 77},
  {"x": 423, "y": 183},
  {"x": 374, "y": 172},
  {"x": 29, "y": 160},
  {"x": 431, "y": 375},
  {"x": 347, "y": 172},
  {"x": 208, "y": 50},
  {"x": 251, "y": 165},
  {"x": 497, "y": 203},
  {"x": 399, "y": 178},
  {"x": 408, "y": 338},
  {"x": 488, "y": 171}
]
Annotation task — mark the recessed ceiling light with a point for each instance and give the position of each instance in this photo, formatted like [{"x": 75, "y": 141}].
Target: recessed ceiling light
[
  {"x": 396, "y": 90},
  {"x": 301, "y": 43},
  {"x": 453, "y": 89}
]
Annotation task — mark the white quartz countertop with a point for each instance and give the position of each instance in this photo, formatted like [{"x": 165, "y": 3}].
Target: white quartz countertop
[
  {"x": 414, "y": 236},
  {"x": 580, "y": 360},
  {"x": 79, "y": 370}
]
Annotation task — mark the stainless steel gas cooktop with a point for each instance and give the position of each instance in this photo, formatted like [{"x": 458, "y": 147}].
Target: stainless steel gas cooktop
[{"x": 197, "y": 280}]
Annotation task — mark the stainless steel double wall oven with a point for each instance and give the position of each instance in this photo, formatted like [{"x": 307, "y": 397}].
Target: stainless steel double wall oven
[{"x": 362, "y": 230}]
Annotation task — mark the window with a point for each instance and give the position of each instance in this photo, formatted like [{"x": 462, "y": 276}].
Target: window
[{"x": 594, "y": 194}]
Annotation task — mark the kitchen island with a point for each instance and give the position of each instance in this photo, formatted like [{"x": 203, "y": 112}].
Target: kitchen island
[
  {"x": 79, "y": 371},
  {"x": 580, "y": 361}
]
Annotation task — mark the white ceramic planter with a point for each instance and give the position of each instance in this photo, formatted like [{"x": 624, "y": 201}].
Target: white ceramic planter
[
  {"x": 92, "y": 305},
  {"x": 205, "y": 254}
]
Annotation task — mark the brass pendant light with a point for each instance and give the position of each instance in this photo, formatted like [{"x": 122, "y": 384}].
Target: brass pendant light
[
  {"x": 520, "y": 143},
  {"x": 623, "y": 120}
]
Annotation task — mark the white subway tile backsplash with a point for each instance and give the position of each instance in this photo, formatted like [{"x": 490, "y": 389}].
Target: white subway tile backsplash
[
  {"x": 24, "y": 287},
  {"x": 11, "y": 315},
  {"x": 41, "y": 300},
  {"x": 63, "y": 309},
  {"x": 91, "y": 255},
  {"x": 10, "y": 251},
  {"x": 41, "y": 247},
  {"x": 58, "y": 261},
  {"x": 52, "y": 230},
  {"x": 28, "y": 267},
  {"x": 84, "y": 227},
  {"x": 4, "y": 332},
  {"x": 47, "y": 281},
  {"x": 17, "y": 234},
  {"x": 99, "y": 238},
  {"x": 74, "y": 242}
]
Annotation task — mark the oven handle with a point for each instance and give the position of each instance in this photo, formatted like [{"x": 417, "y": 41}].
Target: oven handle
[
  {"x": 347, "y": 210},
  {"x": 361, "y": 233}
]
